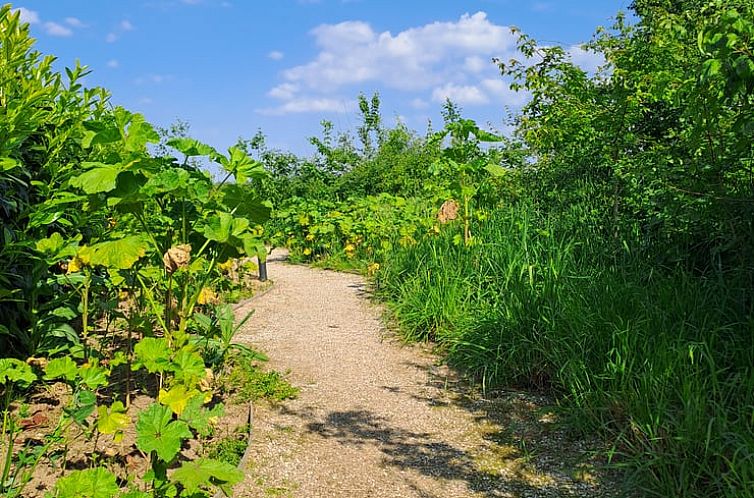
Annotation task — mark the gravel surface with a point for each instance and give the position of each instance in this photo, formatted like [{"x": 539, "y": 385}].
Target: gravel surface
[{"x": 379, "y": 419}]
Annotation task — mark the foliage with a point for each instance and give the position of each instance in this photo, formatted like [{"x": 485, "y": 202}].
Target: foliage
[{"x": 108, "y": 247}]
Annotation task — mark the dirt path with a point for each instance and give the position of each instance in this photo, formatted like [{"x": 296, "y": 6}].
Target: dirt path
[{"x": 377, "y": 419}]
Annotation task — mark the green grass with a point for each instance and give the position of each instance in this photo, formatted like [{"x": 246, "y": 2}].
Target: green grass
[
  {"x": 249, "y": 383},
  {"x": 657, "y": 360},
  {"x": 230, "y": 449}
]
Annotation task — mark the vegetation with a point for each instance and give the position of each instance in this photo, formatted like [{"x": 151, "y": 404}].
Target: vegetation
[
  {"x": 602, "y": 253},
  {"x": 111, "y": 259}
]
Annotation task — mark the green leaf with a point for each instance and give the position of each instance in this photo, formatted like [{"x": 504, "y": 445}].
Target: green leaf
[
  {"x": 157, "y": 431},
  {"x": 99, "y": 133},
  {"x": 191, "y": 147},
  {"x": 113, "y": 420},
  {"x": 188, "y": 366},
  {"x": 139, "y": 134},
  {"x": 218, "y": 227},
  {"x": 495, "y": 170},
  {"x": 94, "y": 376},
  {"x": 244, "y": 203},
  {"x": 102, "y": 178},
  {"x": 84, "y": 403},
  {"x": 253, "y": 246},
  {"x": 120, "y": 254},
  {"x": 153, "y": 354},
  {"x": 16, "y": 371},
  {"x": 200, "y": 418},
  {"x": 89, "y": 483},
  {"x": 7, "y": 164},
  {"x": 203, "y": 473},
  {"x": 64, "y": 368}
]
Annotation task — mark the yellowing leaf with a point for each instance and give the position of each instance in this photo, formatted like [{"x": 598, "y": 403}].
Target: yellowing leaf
[
  {"x": 176, "y": 398},
  {"x": 120, "y": 254}
]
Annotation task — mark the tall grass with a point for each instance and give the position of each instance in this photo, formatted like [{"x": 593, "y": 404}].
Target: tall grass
[{"x": 660, "y": 362}]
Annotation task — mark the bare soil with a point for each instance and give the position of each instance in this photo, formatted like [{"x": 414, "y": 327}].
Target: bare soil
[{"x": 376, "y": 418}]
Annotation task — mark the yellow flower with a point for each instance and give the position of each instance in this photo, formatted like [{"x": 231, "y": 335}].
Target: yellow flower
[
  {"x": 227, "y": 266},
  {"x": 307, "y": 251},
  {"x": 350, "y": 248},
  {"x": 75, "y": 265},
  {"x": 310, "y": 237},
  {"x": 373, "y": 268},
  {"x": 206, "y": 296}
]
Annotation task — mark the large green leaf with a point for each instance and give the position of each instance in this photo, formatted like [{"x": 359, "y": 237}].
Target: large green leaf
[
  {"x": 16, "y": 371},
  {"x": 61, "y": 368},
  {"x": 244, "y": 203},
  {"x": 220, "y": 227},
  {"x": 89, "y": 483},
  {"x": 100, "y": 178},
  {"x": 157, "y": 431},
  {"x": 139, "y": 134},
  {"x": 99, "y": 133},
  {"x": 241, "y": 166},
  {"x": 191, "y": 147},
  {"x": 119, "y": 254},
  {"x": 188, "y": 367},
  {"x": 203, "y": 473},
  {"x": 200, "y": 418},
  {"x": 153, "y": 354}
]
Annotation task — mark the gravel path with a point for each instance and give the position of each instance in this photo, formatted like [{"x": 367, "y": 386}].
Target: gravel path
[{"x": 378, "y": 419}]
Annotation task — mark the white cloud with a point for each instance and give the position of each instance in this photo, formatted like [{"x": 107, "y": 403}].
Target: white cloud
[
  {"x": 460, "y": 94},
  {"x": 586, "y": 60},
  {"x": 303, "y": 105},
  {"x": 352, "y": 52},
  {"x": 275, "y": 55},
  {"x": 284, "y": 91},
  {"x": 542, "y": 7},
  {"x": 123, "y": 27},
  {"x": 154, "y": 79},
  {"x": 113, "y": 64},
  {"x": 476, "y": 64},
  {"x": 55, "y": 29},
  {"x": 28, "y": 16},
  {"x": 502, "y": 93},
  {"x": 418, "y": 103},
  {"x": 75, "y": 22}
]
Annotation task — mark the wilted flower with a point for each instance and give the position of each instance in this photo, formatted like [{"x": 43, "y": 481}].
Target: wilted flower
[{"x": 177, "y": 257}]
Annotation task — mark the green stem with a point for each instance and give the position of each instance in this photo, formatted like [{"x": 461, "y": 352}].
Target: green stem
[
  {"x": 9, "y": 451},
  {"x": 85, "y": 311}
]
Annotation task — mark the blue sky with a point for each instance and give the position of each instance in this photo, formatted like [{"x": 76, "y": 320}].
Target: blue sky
[{"x": 231, "y": 67}]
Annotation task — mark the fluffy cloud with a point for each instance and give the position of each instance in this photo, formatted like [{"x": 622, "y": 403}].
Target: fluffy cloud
[
  {"x": 586, "y": 60},
  {"x": 432, "y": 62},
  {"x": 75, "y": 22},
  {"x": 460, "y": 94},
  {"x": 50, "y": 27},
  {"x": 55, "y": 29},
  {"x": 123, "y": 27},
  {"x": 284, "y": 91},
  {"x": 352, "y": 52},
  {"x": 28, "y": 16},
  {"x": 276, "y": 55},
  {"x": 301, "y": 105}
]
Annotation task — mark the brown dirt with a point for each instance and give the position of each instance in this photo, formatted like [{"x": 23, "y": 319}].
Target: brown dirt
[{"x": 379, "y": 419}]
